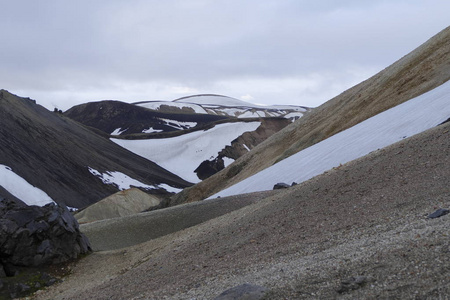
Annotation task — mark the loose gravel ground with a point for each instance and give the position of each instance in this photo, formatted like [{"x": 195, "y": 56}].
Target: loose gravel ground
[{"x": 365, "y": 219}]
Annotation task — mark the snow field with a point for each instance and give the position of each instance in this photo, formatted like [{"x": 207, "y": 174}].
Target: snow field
[
  {"x": 407, "y": 119},
  {"x": 181, "y": 155},
  {"x": 123, "y": 181}
]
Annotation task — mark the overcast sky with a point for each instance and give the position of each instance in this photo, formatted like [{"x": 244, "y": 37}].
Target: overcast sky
[{"x": 63, "y": 53}]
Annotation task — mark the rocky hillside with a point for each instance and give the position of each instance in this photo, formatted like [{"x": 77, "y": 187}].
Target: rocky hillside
[
  {"x": 119, "y": 118},
  {"x": 71, "y": 163},
  {"x": 418, "y": 72},
  {"x": 126, "y": 122}
]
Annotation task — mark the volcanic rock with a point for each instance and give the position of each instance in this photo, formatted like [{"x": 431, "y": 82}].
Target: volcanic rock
[{"x": 32, "y": 236}]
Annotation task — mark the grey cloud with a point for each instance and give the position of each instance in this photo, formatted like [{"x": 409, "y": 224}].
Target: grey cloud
[{"x": 55, "y": 46}]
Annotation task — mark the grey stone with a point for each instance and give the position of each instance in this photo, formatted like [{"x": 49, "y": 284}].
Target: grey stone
[
  {"x": 281, "y": 185},
  {"x": 34, "y": 236},
  {"x": 438, "y": 213},
  {"x": 243, "y": 292}
]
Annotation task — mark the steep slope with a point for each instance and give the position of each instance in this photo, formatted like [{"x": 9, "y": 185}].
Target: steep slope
[
  {"x": 366, "y": 218},
  {"x": 418, "y": 72},
  {"x": 69, "y": 162},
  {"x": 409, "y": 118}
]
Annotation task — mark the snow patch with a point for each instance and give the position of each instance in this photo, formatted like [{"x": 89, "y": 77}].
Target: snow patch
[
  {"x": 123, "y": 181},
  {"x": 294, "y": 116},
  {"x": 227, "y": 161},
  {"x": 151, "y": 130},
  {"x": 245, "y": 146},
  {"x": 169, "y": 188},
  {"x": 21, "y": 189},
  {"x": 407, "y": 119},
  {"x": 118, "y": 131},
  {"x": 179, "y": 124}
]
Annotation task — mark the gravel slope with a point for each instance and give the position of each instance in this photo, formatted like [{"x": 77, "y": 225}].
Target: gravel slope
[{"x": 366, "y": 218}]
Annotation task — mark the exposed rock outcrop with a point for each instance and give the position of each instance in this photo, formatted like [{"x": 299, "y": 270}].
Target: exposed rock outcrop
[
  {"x": 32, "y": 236},
  {"x": 241, "y": 146}
]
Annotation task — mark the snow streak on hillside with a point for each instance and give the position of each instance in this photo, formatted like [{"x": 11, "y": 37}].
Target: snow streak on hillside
[
  {"x": 181, "y": 155},
  {"x": 407, "y": 119},
  {"x": 21, "y": 189},
  {"x": 123, "y": 181}
]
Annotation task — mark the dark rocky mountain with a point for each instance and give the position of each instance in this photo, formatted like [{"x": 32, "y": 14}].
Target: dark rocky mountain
[
  {"x": 132, "y": 121},
  {"x": 54, "y": 153},
  {"x": 125, "y": 118}
]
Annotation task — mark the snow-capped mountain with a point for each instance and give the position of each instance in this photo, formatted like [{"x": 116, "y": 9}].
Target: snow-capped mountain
[{"x": 225, "y": 106}]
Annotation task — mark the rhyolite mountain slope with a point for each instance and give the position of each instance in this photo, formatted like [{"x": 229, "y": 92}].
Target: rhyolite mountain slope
[
  {"x": 423, "y": 69},
  {"x": 395, "y": 124},
  {"x": 71, "y": 163}
]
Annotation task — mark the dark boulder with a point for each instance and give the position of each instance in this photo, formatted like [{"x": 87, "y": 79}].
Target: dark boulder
[
  {"x": 32, "y": 236},
  {"x": 438, "y": 213},
  {"x": 209, "y": 167},
  {"x": 281, "y": 185}
]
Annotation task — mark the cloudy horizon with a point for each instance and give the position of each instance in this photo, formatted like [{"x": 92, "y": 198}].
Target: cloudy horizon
[{"x": 267, "y": 52}]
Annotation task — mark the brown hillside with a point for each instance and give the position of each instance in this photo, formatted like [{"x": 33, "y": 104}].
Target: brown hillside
[{"x": 425, "y": 68}]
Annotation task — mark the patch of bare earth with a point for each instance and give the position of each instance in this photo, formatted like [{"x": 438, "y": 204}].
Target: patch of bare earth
[{"x": 366, "y": 218}]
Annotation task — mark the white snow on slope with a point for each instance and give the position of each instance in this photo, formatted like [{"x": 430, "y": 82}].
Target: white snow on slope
[
  {"x": 155, "y": 105},
  {"x": 118, "y": 131},
  {"x": 178, "y": 124},
  {"x": 181, "y": 155},
  {"x": 123, "y": 181},
  {"x": 151, "y": 130},
  {"x": 21, "y": 189},
  {"x": 407, "y": 119}
]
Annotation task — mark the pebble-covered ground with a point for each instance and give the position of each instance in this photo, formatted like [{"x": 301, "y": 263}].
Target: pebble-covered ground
[{"x": 359, "y": 231}]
